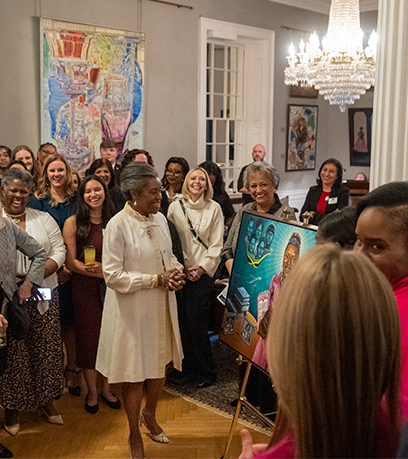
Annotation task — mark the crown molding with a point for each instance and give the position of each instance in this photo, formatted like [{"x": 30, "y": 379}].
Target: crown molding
[{"x": 323, "y": 6}]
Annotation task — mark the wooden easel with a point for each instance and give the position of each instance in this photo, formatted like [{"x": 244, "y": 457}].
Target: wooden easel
[{"x": 243, "y": 401}]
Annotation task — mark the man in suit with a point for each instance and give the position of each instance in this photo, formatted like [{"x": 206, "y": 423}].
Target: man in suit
[
  {"x": 109, "y": 151},
  {"x": 258, "y": 154}
]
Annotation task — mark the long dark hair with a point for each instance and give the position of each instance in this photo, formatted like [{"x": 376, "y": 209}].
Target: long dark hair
[
  {"x": 213, "y": 169},
  {"x": 339, "y": 168},
  {"x": 102, "y": 162},
  {"x": 83, "y": 220},
  {"x": 176, "y": 160}
]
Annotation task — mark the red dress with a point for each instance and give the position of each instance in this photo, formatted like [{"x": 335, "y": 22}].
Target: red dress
[{"x": 87, "y": 299}]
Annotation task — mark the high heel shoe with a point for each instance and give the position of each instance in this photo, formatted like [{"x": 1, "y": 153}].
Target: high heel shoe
[
  {"x": 12, "y": 429},
  {"x": 160, "y": 438},
  {"x": 54, "y": 419},
  {"x": 72, "y": 390}
]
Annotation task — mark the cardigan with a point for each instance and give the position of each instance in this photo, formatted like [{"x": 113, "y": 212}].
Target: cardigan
[
  {"x": 12, "y": 237},
  {"x": 339, "y": 198}
]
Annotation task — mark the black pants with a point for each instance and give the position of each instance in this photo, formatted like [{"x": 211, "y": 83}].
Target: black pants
[{"x": 194, "y": 318}]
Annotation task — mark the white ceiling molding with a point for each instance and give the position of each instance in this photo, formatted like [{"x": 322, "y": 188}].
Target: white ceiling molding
[{"x": 323, "y": 6}]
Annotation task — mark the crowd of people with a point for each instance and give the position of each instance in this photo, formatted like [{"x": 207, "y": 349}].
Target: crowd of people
[{"x": 131, "y": 261}]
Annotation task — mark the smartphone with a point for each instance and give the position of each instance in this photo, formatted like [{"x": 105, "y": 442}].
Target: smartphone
[{"x": 45, "y": 293}]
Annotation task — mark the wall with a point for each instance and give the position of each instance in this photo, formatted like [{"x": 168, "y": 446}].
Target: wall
[{"x": 171, "y": 71}]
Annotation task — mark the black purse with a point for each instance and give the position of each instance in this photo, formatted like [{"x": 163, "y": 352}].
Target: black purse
[{"x": 17, "y": 316}]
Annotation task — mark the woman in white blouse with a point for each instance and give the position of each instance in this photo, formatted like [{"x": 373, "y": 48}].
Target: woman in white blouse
[
  {"x": 200, "y": 224},
  {"x": 139, "y": 333},
  {"x": 33, "y": 375}
]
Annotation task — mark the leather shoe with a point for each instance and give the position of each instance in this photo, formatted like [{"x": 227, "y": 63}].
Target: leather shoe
[
  {"x": 91, "y": 409},
  {"x": 114, "y": 405},
  {"x": 204, "y": 383},
  {"x": 5, "y": 452},
  {"x": 180, "y": 378}
]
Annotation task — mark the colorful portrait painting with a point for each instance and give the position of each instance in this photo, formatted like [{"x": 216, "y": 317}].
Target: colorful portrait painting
[
  {"x": 267, "y": 250},
  {"x": 302, "y": 137},
  {"x": 360, "y": 120},
  {"x": 92, "y": 89}
]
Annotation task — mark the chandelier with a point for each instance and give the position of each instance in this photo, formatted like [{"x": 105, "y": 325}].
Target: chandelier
[{"x": 340, "y": 69}]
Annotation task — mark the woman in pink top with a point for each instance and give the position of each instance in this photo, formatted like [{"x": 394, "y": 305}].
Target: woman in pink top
[
  {"x": 382, "y": 236},
  {"x": 334, "y": 356}
]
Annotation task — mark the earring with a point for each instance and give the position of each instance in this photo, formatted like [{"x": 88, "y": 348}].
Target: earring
[{"x": 135, "y": 203}]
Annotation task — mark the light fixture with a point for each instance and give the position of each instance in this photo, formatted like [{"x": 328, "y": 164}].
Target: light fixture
[{"x": 340, "y": 69}]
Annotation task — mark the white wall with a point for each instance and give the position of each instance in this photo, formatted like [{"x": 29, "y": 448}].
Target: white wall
[{"x": 171, "y": 72}]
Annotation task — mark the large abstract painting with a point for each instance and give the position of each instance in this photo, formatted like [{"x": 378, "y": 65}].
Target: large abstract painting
[
  {"x": 92, "y": 89},
  {"x": 267, "y": 249}
]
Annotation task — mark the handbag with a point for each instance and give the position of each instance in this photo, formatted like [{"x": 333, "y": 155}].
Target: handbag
[{"x": 17, "y": 316}]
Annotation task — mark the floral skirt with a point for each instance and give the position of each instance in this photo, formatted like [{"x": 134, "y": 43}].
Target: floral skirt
[{"x": 34, "y": 374}]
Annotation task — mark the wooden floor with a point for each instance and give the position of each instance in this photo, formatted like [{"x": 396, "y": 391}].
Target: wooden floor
[{"x": 195, "y": 432}]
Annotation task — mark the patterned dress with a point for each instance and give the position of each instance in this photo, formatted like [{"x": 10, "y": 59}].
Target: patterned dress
[{"x": 34, "y": 365}]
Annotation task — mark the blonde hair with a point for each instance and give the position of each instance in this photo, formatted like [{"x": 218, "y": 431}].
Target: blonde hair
[
  {"x": 334, "y": 351},
  {"x": 208, "y": 193},
  {"x": 44, "y": 185}
]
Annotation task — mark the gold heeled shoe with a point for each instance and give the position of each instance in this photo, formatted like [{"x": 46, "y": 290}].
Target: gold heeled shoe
[{"x": 160, "y": 438}]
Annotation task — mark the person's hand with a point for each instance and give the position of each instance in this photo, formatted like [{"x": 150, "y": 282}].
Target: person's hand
[
  {"x": 173, "y": 280},
  {"x": 248, "y": 448},
  {"x": 95, "y": 268},
  {"x": 64, "y": 275},
  {"x": 3, "y": 324},
  {"x": 24, "y": 291},
  {"x": 176, "y": 280},
  {"x": 195, "y": 272}
]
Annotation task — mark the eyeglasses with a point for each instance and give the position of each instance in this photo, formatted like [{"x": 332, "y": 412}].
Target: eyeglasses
[{"x": 170, "y": 171}]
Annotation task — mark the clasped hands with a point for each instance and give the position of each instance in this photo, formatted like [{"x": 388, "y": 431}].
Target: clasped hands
[
  {"x": 173, "y": 280},
  {"x": 194, "y": 272}
]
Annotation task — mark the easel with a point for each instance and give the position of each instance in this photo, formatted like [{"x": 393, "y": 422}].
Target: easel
[{"x": 243, "y": 401}]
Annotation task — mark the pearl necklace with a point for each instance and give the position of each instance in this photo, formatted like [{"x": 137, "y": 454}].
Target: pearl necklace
[{"x": 16, "y": 218}]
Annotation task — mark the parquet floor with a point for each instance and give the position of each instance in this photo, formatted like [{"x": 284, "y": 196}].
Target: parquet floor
[{"x": 195, "y": 432}]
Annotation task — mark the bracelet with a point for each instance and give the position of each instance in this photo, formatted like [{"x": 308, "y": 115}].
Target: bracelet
[{"x": 155, "y": 281}]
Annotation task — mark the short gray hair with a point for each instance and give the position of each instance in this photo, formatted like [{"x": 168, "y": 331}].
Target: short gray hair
[
  {"x": 263, "y": 168},
  {"x": 135, "y": 176},
  {"x": 15, "y": 173}
]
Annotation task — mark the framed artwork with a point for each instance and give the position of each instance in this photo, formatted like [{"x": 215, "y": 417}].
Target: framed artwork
[
  {"x": 302, "y": 138},
  {"x": 92, "y": 82},
  {"x": 308, "y": 92},
  {"x": 267, "y": 248},
  {"x": 360, "y": 120}
]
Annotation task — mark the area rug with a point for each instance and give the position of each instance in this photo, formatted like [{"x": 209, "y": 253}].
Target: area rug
[{"x": 226, "y": 387}]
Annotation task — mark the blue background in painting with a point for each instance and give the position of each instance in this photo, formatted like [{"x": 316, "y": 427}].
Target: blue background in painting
[{"x": 257, "y": 279}]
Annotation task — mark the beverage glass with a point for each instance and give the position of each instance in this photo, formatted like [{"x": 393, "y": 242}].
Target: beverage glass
[{"x": 89, "y": 254}]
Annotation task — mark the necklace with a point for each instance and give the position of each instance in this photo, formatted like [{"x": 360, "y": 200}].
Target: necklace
[{"x": 16, "y": 218}]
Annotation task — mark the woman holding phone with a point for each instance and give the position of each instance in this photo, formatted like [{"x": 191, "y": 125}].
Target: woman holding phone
[{"x": 34, "y": 371}]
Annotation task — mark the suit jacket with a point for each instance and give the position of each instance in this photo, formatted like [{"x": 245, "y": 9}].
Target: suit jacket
[{"x": 339, "y": 194}]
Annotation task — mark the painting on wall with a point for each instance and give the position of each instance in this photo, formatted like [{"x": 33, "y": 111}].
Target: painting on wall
[
  {"x": 267, "y": 249},
  {"x": 91, "y": 89},
  {"x": 307, "y": 92},
  {"x": 360, "y": 120},
  {"x": 302, "y": 137}
]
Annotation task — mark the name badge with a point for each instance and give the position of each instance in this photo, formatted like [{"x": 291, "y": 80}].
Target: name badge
[{"x": 333, "y": 201}]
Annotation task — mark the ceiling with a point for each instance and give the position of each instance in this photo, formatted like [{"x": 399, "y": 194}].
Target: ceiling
[{"x": 323, "y": 6}]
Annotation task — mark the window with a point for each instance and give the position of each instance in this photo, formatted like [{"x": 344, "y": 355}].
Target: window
[
  {"x": 224, "y": 108},
  {"x": 236, "y": 88}
]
